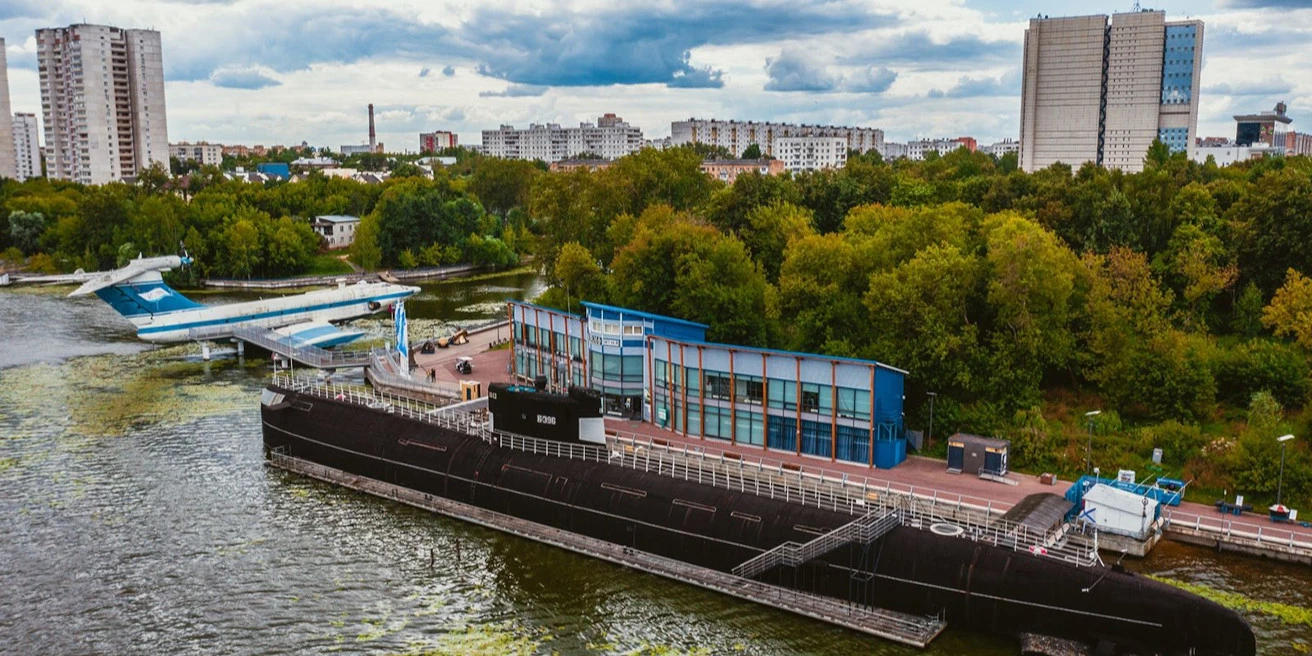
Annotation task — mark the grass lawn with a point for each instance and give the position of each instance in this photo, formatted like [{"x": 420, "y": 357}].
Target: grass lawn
[{"x": 326, "y": 264}]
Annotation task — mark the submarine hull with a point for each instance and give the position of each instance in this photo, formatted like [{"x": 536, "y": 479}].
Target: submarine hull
[{"x": 972, "y": 584}]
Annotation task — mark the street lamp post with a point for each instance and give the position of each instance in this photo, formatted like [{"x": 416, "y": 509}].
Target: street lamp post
[
  {"x": 930, "y": 439},
  {"x": 1088, "y": 450},
  {"x": 1281, "y": 481}
]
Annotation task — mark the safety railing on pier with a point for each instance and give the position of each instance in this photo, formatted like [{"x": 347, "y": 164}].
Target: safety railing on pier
[
  {"x": 1267, "y": 536},
  {"x": 856, "y": 496}
]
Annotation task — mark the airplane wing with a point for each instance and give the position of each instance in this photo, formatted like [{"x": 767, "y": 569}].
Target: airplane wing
[
  {"x": 151, "y": 266},
  {"x": 107, "y": 279}
]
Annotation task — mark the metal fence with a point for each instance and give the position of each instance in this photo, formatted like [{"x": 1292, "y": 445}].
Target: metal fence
[{"x": 1266, "y": 536}]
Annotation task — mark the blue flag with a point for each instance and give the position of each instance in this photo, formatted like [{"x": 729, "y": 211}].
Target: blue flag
[{"x": 402, "y": 332}]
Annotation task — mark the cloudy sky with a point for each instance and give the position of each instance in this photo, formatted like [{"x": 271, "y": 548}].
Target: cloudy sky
[{"x": 286, "y": 71}]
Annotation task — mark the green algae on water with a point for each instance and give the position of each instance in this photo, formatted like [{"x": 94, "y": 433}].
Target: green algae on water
[{"x": 1238, "y": 602}]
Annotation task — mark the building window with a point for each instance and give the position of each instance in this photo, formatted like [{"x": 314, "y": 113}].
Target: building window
[
  {"x": 717, "y": 386},
  {"x": 816, "y": 438},
  {"x": 853, "y": 403},
  {"x": 748, "y": 389},
  {"x": 633, "y": 330}
]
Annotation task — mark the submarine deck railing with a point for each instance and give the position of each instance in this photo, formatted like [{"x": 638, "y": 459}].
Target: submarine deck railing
[
  {"x": 914, "y": 630},
  {"x": 863, "y": 530},
  {"x": 820, "y": 488},
  {"x": 288, "y": 347}
]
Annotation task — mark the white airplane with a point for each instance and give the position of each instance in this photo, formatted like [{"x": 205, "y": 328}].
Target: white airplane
[{"x": 161, "y": 314}]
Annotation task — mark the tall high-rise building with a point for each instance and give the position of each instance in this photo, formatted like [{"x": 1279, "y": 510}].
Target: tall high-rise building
[
  {"x": 8, "y": 156},
  {"x": 1101, "y": 89},
  {"x": 28, "y": 146},
  {"x": 102, "y": 100}
]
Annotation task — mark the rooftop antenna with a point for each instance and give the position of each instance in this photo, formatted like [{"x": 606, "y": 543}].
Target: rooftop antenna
[{"x": 1136, "y": 7}]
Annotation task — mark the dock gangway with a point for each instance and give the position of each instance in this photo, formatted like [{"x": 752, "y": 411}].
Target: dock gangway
[
  {"x": 288, "y": 347},
  {"x": 862, "y": 530}
]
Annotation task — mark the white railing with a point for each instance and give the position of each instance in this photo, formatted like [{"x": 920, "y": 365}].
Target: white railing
[{"x": 1232, "y": 530}]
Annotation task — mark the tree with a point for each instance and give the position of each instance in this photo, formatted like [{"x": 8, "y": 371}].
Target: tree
[
  {"x": 821, "y": 283},
  {"x": 241, "y": 243},
  {"x": 25, "y": 230},
  {"x": 502, "y": 184},
  {"x": 1201, "y": 268},
  {"x": 918, "y": 319},
  {"x": 752, "y": 152},
  {"x": 729, "y": 207},
  {"x": 771, "y": 229},
  {"x": 1030, "y": 292},
  {"x": 1273, "y": 225},
  {"x": 579, "y": 275},
  {"x": 1290, "y": 311},
  {"x": 408, "y": 170},
  {"x": 1246, "y": 319},
  {"x": 364, "y": 250}
]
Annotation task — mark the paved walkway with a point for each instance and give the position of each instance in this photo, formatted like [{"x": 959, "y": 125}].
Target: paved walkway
[{"x": 918, "y": 474}]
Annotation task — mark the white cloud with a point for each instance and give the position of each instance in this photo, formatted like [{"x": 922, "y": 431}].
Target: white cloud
[{"x": 270, "y": 71}]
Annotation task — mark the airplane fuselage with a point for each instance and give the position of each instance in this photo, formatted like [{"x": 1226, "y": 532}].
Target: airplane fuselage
[{"x": 332, "y": 305}]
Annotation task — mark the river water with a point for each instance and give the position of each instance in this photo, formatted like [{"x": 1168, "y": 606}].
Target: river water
[{"x": 137, "y": 516}]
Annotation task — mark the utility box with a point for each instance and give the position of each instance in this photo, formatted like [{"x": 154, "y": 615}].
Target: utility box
[
  {"x": 974, "y": 454},
  {"x": 1119, "y": 512}
]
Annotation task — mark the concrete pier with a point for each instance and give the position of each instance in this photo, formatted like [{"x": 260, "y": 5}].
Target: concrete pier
[{"x": 913, "y": 630}]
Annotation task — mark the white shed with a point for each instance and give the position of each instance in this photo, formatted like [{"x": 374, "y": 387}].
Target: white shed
[{"x": 1119, "y": 512}]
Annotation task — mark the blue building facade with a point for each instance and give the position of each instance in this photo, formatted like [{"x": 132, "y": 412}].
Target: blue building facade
[{"x": 661, "y": 370}]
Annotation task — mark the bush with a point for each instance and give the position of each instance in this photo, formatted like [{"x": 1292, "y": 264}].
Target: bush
[
  {"x": 1179, "y": 442},
  {"x": 1247, "y": 368}
]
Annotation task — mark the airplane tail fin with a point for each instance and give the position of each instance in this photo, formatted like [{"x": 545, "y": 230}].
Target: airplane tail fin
[{"x": 145, "y": 299}]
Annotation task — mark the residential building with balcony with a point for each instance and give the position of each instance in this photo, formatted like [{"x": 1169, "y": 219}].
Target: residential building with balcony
[{"x": 102, "y": 102}]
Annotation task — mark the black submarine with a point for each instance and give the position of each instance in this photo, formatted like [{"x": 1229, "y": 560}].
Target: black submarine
[{"x": 970, "y": 583}]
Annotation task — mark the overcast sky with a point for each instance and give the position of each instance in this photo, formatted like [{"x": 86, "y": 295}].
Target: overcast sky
[{"x": 286, "y": 71}]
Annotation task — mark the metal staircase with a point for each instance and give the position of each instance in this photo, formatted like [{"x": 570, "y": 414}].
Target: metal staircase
[{"x": 863, "y": 530}]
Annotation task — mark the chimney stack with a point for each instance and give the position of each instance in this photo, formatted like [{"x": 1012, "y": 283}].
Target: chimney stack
[{"x": 373, "y": 145}]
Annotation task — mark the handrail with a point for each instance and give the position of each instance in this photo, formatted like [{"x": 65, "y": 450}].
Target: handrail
[{"x": 1227, "y": 528}]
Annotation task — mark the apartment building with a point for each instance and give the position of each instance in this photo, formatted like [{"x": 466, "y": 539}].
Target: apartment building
[
  {"x": 102, "y": 101},
  {"x": 205, "y": 153},
  {"x": 1101, "y": 89},
  {"x": 811, "y": 153},
  {"x": 436, "y": 142},
  {"x": 736, "y": 136},
  {"x": 610, "y": 138},
  {"x": 27, "y": 146},
  {"x": 8, "y": 153}
]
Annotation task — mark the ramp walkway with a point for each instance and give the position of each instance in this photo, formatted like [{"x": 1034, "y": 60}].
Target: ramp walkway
[{"x": 862, "y": 530}]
